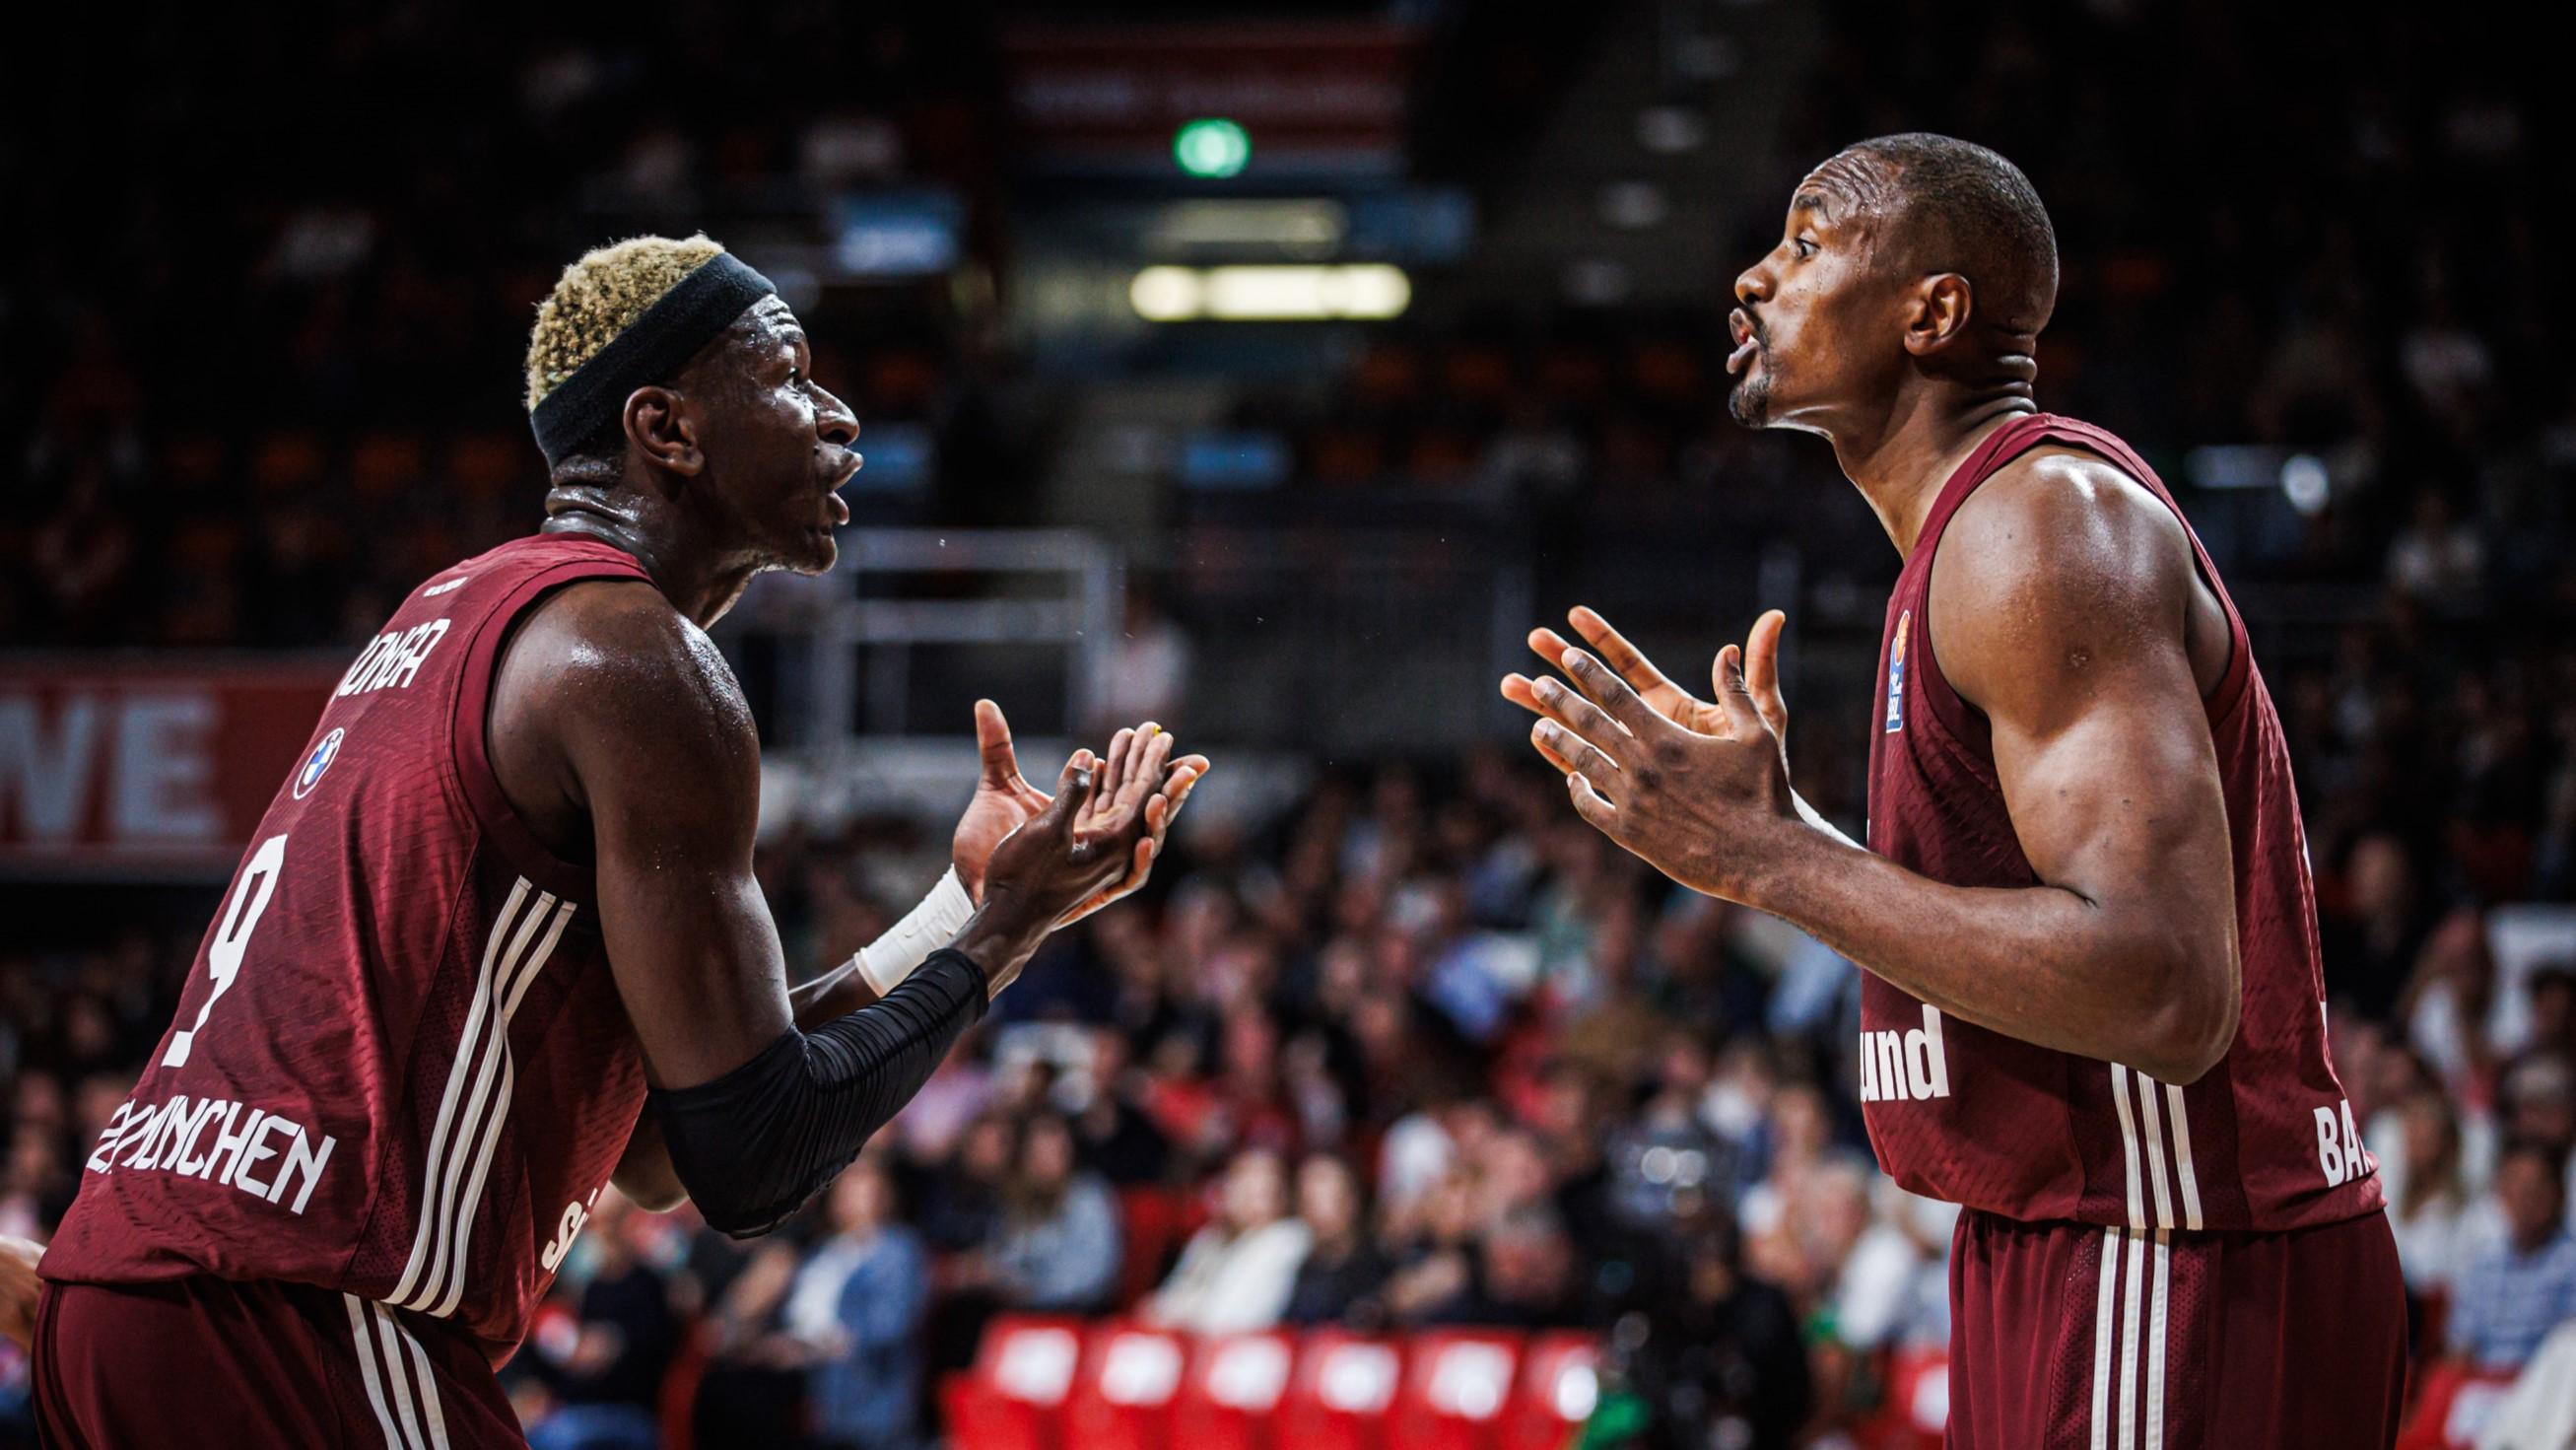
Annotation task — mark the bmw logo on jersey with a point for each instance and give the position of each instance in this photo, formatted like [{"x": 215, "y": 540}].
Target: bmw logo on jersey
[{"x": 317, "y": 763}]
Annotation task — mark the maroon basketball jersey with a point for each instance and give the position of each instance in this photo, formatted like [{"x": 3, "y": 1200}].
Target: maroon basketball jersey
[
  {"x": 399, "y": 1068},
  {"x": 2266, "y": 1139}
]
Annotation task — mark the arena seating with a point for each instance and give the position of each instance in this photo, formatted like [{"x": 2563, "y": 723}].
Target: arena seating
[
  {"x": 1457, "y": 1384},
  {"x": 1916, "y": 1407},
  {"x": 2450, "y": 1405},
  {"x": 1236, "y": 1384},
  {"x": 1043, "y": 1383},
  {"x": 1129, "y": 1385},
  {"x": 1559, "y": 1385},
  {"x": 1023, "y": 1376}
]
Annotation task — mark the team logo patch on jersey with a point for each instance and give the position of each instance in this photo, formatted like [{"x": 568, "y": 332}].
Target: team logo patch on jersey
[
  {"x": 318, "y": 762},
  {"x": 1896, "y": 673},
  {"x": 456, "y": 583}
]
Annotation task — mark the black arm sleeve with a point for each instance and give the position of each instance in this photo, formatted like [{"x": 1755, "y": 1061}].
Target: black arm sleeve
[{"x": 753, "y": 1145}]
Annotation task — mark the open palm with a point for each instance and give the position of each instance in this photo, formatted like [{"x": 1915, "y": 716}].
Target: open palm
[
  {"x": 1761, "y": 663},
  {"x": 1005, "y": 801}
]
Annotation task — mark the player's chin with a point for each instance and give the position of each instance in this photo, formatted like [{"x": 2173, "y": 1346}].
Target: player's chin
[
  {"x": 1749, "y": 401},
  {"x": 813, "y": 552}
]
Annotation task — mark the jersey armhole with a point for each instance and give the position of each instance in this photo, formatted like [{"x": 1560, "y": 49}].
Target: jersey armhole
[
  {"x": 469, "y": 752},
  {"x": 1964, "y": 725}
]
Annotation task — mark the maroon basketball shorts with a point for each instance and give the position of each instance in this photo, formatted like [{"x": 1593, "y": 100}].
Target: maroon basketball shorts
[
  {"x": 2068, "y": 1336},
  {"x": 206, "y": 1364}
]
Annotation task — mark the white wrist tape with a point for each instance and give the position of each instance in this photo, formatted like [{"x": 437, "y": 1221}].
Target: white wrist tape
[{"x": 909, "y": 942}]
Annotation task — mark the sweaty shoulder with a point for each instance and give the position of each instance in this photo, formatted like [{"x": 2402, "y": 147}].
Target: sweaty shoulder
[
  {"x": 605, "y": 681},
  {"x": 2058, "y": 570}
]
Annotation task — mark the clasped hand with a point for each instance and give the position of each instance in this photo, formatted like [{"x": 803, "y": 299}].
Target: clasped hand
[
  {"x": 1117, "y": 811},
  {"x": 1698, "y": 790}
]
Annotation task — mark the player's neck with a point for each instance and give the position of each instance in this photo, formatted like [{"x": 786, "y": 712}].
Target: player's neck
[
  {"x": 699, "y": 584},
  {"x": 1901, "y": 456}
]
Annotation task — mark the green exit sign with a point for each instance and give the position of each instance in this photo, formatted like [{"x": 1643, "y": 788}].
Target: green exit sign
[{"x": 1212, "y": 147}]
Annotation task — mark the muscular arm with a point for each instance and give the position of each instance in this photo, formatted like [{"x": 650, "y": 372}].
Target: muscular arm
[
  {"x": 2062, "y": 605},
  {"x": 656, "y": 745}
]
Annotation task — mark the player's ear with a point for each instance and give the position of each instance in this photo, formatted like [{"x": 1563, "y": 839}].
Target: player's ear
[
  {"x": 658, "y": 422},
  {"x": 1937, "y": 312}
]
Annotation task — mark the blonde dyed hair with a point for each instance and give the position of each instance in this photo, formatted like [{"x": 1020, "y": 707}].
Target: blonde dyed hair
[{"x": 600, "y": 296}]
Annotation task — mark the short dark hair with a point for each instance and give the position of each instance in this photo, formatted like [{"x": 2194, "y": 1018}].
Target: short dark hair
[{"x": 1979, "y": 216}]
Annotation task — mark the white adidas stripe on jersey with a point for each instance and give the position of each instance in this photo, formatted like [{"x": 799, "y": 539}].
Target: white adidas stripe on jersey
[
  {"x": 444, "y": 1127},
  {"x": 2102, "y": 1282},
  {"x": 400, "y": 1388},
  {"x": 2190, "y": 1181},
  {"x": 467, "y": 1130},
  {"x": 2155, "y": 1149},
  {"x": 2141, "y": 1347},
  {"x": 2128, "y": 1140},
  {"x": 461, "y": 1183},
  {"x": 364, "y": 1339},
  {"x": 491, "y": 1135},
  {"x": 2131, "y": 1285},
  {"x": 2155, "y": 1427}
]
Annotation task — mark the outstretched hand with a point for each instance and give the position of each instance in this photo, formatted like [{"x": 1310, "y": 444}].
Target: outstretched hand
[
  {"x": 1761, "y": 673},
  {"x": 1692, "y": 787},
  {"x": 1140, "y": 782},
  {"x": 1004, "y": 800}
]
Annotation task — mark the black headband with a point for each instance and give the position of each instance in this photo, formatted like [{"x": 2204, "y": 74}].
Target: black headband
[{"x": 650, "y": 350}]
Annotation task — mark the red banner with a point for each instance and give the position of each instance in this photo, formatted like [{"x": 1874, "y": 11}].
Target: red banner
[{"x": 153, "y": 768}]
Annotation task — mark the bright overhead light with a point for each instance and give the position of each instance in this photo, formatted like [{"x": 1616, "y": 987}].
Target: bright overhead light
[
  {"x": 1364, "y": 291},
  {"x": 1166, "y": 294}
]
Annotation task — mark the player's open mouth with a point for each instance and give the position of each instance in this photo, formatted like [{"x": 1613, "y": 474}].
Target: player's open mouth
[
  {"x": 1739, "y": 326},
  {"x": 838, "y": 507}
]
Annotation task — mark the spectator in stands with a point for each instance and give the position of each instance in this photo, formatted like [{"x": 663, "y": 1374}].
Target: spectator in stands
[
  {"x": 608, "y": 1375},
  {"x": 2539, "y": 1105},
  {"x": 1894, "y": 1285},
  {"x": 2511, "y": 1297},
  {"x": 1118, "y": 1139},
  {"x": 1423, "y": 1147},
  {"x": 2438, "y": 558},
  {"x": 2552, "y": 992},
  {"x": 2372, "y": 933},
  {"x": 35, "y": 1182},
  {"x": 2445, "y": 1009},
  {"x": 1059, "y": 1246},
  {"x": 1149, "y": 677},
  {"x": 1801, "y": 1139},
  {"x": 1339, "y": 1280},
  {"x": 1237, "y": 1273},
  {"x": 751, "y": 1395},
  {"x": 1437, "y": 1259},
  {"x": 854, "y": 1316},
  {"x": 2439, "y": 1223},
  {"x": 1525, "y": 1276},
  {"x": 1667, "y": 1156},
  {"x": 962, "y": 1205},
  {"x": 1729, "y": 1351}
]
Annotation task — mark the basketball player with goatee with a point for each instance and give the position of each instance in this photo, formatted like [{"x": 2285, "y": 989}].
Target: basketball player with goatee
[{"x": 2093, "y": 1013}]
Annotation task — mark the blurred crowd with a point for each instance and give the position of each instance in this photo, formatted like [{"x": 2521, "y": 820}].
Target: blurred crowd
[
  {"x": 1423, "y": 1049},
  {"x": 253, "y": 403}
]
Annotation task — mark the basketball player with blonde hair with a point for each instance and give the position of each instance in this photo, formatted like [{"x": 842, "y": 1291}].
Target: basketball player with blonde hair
[{"x": 497, "y": 943}]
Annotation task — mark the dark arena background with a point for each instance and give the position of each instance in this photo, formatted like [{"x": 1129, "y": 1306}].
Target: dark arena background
[{"x": 1269, "y": 372}]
